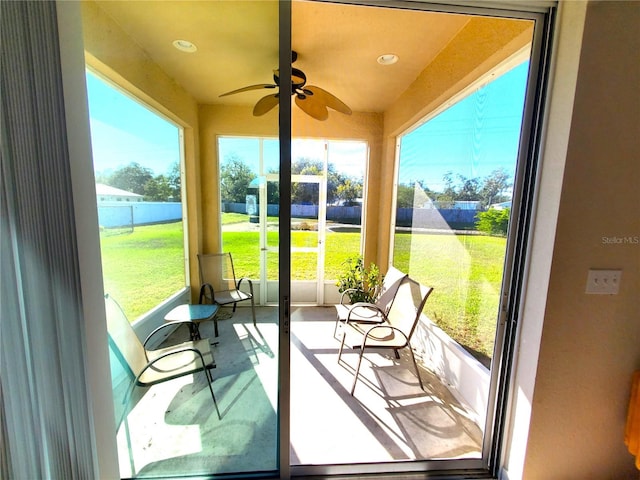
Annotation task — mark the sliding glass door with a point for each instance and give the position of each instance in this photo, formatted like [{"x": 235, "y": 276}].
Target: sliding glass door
[
  {"x": 159, "y": 195},
  {"x": 368, "y": 82},
  {"x": 446, "y": 99}
]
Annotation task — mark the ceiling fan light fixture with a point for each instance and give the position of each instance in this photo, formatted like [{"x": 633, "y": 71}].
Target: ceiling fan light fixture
[
  {"x": 387, "y": 59},
  {"x": 185, "y": 46}
]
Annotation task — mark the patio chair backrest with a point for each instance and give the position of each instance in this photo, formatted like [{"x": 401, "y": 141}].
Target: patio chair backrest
[
  {"x": 389, "y": 288},
  {"x": 216, "y": 269},
  {"x": 123, "y": 338},
  {"x": 408, "y": 305}
]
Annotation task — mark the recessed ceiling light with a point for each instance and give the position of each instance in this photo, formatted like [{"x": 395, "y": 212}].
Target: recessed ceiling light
[
  {"x": 185, "y": 46},
  {"x": 387, "y": 59}
]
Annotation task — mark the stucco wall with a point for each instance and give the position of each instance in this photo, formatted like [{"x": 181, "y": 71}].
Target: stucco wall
[{"x": 591, "y": 343}]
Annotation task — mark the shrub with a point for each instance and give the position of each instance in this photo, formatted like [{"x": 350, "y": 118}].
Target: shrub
[
  {"x": 366, "y": 282},
  {"x": 493, "y": 221}
]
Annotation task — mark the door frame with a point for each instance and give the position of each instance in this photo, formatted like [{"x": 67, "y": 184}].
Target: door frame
[
  {"x": 319, "y": 249},
  {"x": 72, "y": 63}
]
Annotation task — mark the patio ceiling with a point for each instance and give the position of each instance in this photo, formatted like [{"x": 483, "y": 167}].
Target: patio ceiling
[{"x": 337, "y": 46}]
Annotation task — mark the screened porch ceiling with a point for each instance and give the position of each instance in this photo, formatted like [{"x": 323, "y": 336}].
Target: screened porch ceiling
[{"x": 337, "y": 46}]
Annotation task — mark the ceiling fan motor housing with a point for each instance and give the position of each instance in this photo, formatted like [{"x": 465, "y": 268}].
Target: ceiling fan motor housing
[{"x": 298, "y": 79}]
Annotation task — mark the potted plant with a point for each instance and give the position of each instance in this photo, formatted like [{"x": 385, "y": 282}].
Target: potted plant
[{"x": 360, "y": 283}]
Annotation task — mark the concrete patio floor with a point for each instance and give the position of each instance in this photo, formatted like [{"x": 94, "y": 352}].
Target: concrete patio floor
[{"x": 174, "y": 429}]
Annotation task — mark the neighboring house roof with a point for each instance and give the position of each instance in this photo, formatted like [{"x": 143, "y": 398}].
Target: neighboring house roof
[
  {"x": 102, "y": 189},
  {"x": 501, "y": 205}
]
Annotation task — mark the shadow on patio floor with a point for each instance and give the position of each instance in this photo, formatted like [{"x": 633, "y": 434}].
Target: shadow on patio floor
[{"x": 173, "y": 429}]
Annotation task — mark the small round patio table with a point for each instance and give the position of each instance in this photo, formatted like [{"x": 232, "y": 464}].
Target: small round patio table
[{"x": 194, "y": 313}]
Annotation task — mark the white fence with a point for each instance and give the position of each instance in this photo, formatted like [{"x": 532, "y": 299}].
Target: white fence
[{"x": 125, "y": 214}]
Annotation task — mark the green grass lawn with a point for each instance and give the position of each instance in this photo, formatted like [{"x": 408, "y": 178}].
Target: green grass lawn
[
  {"x": 146, "y": 266},
  {"x": 466, "y": 274}
]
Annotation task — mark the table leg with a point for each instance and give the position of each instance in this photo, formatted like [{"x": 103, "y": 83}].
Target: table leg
[{"x": 194, "y": 331}]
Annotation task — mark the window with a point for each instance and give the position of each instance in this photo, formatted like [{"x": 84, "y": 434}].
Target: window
[
  {"x": 454, "y": 197},
  {"x": 142, "y": 242},
  {"x": 454, "y": 193}
]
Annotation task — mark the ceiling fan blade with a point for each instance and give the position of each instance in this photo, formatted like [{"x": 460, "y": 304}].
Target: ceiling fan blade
[
  {"x": 313, "y": 106},
  {"x": 329, "y": 99},
  {"x": 250, "y": 87},
  {"x": 265, "y": 104}
]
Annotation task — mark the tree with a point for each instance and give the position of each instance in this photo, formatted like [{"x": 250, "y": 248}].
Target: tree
[
  {"x": 468, "y": 189},
  {"x": 493, "y": 221},
  {"x": 131, "y": 178},
  {"x": 308, "y": 193},
  {"x": 103, "y": 177},
  {"x": 235, "y": 177},
  {"x": 349, "y": 191},
  {"x": 449, "y": 192},
  {"x": 175, "y": 182},
  {"x": 334, "y": 180},
  {"x": 404, "y": 196},
  {"x": 464, "y": 189},
  {"x": 494, "y": 186},
  {"x": 158, "y": 189},
  {"x": 273, "y": 190},
  {"x": 413, "y": 194}
]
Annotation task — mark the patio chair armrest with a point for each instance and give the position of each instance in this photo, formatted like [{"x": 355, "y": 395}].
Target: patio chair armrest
[
  {"x": 248, "y": 281},
  {"x": 371, "y": 308},
  {"x": 168, "y": 354},
  {"x": 345, "y": 293},
  {"x": 203, "y": 292},
  {"x": 368, "y": 332},
  {"x": 177, "y": 323}
]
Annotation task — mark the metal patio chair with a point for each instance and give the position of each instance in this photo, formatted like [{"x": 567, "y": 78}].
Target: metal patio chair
[
  {"x": 395, "y": 331},
  {"x": 369, "y": 312},
  {"x": 150, "y": 367},
  {"x": 218, "y": 282}
]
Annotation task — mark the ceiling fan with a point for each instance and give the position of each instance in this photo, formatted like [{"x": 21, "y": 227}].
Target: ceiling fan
[{"x": 313, "y": 100}]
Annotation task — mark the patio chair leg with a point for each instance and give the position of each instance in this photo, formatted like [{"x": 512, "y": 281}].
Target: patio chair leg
[
  {"x": 209, "y": 382},
  {"x": 344, "y": 335},
  {"x": 253, "y": 312},
  {"x": 415, "y": 364},
  {"x": 355, "y": 377}
]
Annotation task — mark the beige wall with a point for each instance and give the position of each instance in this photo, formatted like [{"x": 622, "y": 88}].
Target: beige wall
[{"x": 591, "y": 343}]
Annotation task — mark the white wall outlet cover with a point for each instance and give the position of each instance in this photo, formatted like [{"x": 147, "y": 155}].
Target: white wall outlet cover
[{"x": 603, "y": 282}]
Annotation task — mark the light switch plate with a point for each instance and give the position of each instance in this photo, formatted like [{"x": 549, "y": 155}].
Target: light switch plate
[{"x": 603, "y": 282}]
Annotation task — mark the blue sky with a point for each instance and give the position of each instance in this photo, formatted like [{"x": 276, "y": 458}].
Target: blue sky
[
  {"x": 123, "y": 131},
  {"x": 472, "y": 138}
]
